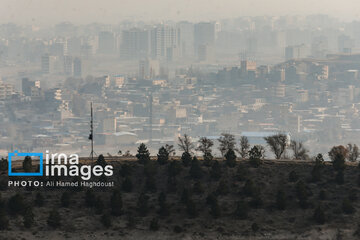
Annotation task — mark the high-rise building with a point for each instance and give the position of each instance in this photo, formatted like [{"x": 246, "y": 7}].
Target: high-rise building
[
  {"x": 77, "y": 67},
  {"x": 186, "y": 39},
  {"x": 68, "y": 65},
  {"x": 204, "y": 35},
  {"x": 28, "y": 87},
  {"x": 106, "y": 43},
  {"x": 165, "y": 42},
  {"x": 134, "y": 44}
]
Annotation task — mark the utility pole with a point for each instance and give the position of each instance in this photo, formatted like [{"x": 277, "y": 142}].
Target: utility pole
[{"x": 91, "y": 136}]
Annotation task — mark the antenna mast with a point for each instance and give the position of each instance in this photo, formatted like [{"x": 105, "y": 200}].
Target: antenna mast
[{"x": 91, "y": 136}]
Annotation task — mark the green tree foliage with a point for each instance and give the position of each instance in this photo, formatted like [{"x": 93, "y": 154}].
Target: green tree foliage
[
  {"x": 65, "y": 199},
  {"x": 205, "y": 145},
  {"x": 116, "y": 203},
  {"x": 127, "y": 185},
  {"x": 338, "y": 154},
  {"x": 299, "y": 150},
  {"x": 244, "y": 147},
  {"x": 319, "y": 215},
  {"x": 101, "y": 161},
  {"x": 186, "y": 159},
  {"x": 255, "y": 155},
  {"x": 89, "y": 198},
  {"x": 195, "y": 169},
  {"x": 39, "y": 200},
  {"x": 17, "y": 204},
  {"x": 226, "y": 142},
  {"x": 277, "y": 144},
  {"x": 27, "y": 164},
  {"x": 241, "y": 211},
  {"x": 54, "y": 219},
  {"x": 106, "y": 220},
  {"x": 230, "y": 158},
  {"x": 143, "y": 154},
  {"x": 162, "y": 156},
  {"x": 281, "y": 200},
  {"x": 143, "y": 204},
  {"x": 216, "y": 171},
  {"x": 28, "y": 218}
]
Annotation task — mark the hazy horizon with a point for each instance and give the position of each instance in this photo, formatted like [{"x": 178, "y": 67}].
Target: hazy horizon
[{"x": 47, "y": 12}]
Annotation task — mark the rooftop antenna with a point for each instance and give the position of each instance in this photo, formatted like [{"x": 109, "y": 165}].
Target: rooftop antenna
[{"x": 91, "y": 136}]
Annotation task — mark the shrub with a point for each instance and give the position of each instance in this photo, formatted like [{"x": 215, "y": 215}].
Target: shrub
[
  {"x": 191, "y": 209},
  {"x": 302, "y": 194},
  {"x": 116, "y": 203},
  {"x": 39, "y": 200},
  {"x": 241, "y": 210},
  {"x": 216, "y": 172},
  {"x": 17, "y": 204},
  {"x": 125, "y": 170},
  {"x": 154, "y": 224},
  {"x": 150, "y": 184},
  {"x": 186, "y": 159},
  {"x": 319, "y": 215},
  {"x": 28, "y": 218},
  {"x": 322, "y": 195},
  {"x": 174, "y": 168},
  {"x": 3, "y": 164},
  {"x": 249, "y": 188},
  {"x": 353, "y": 195},
  {"x": 142, "y": 204},
  {"x": 215, "y": 209},
  {"x": 198, "y": 188},
  {"x": 293, "y": 177},
  {"x": 256, "y": 200},
  {"x": 65, "y": 199},
  {"x": 230, "y": 158},
  {"x": 255, "y": 156},
  {"x": 195, "y": 169},
  {"x": 222, "y": 188},
  {"x": 211, "y": 198},
  {"x": 177, "y": 229},
  {"x": 99, "y": 205},
  {"x": 347, "y": 206},
  {"x": 164, "y": 209},
  {"x": 241, "y": 172},
  {"x": 89, "y": 198},
  {"x": 106, "y": 220},
  {"x": 4, "y": 221},
  {"x": 54, "y": 219},
  {"x": 127, "y": 185},
  {"x": 281, "y": 200},
  {"x": 339, "y": 177},
  {"x": 255, "y": 227}
]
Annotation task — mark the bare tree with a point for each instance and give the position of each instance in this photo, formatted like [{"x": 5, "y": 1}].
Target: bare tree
[
  {"x": 170, "y": 149},
  {"x": 353, "y": 152},
  {"x": 227, "y": 142},
  {"x": 185, "y": 144},
  {"x": 300, "y": 152},
  {"x": 205, "y": 145},
  {"x": 244, "y": 147},
  {"x": 277, "y": 144}
]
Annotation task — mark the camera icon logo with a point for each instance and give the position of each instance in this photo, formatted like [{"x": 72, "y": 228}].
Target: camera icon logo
[{"x": 14, "y": 154}]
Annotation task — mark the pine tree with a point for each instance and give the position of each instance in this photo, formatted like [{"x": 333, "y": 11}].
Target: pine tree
[
  {"x": 27, "y": 164},
  {"x": 163, "y": 156},
  {"x": 230, "y": 157},
  {"x": 101, "y": 161},
  {"x": 143, "y": 154}
]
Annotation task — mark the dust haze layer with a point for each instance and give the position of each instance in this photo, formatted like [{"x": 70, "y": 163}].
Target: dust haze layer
[{"x": 43, "y": 12}]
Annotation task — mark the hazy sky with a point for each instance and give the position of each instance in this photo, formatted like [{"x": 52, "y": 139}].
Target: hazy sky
[{"x": 113, "y": 11}]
